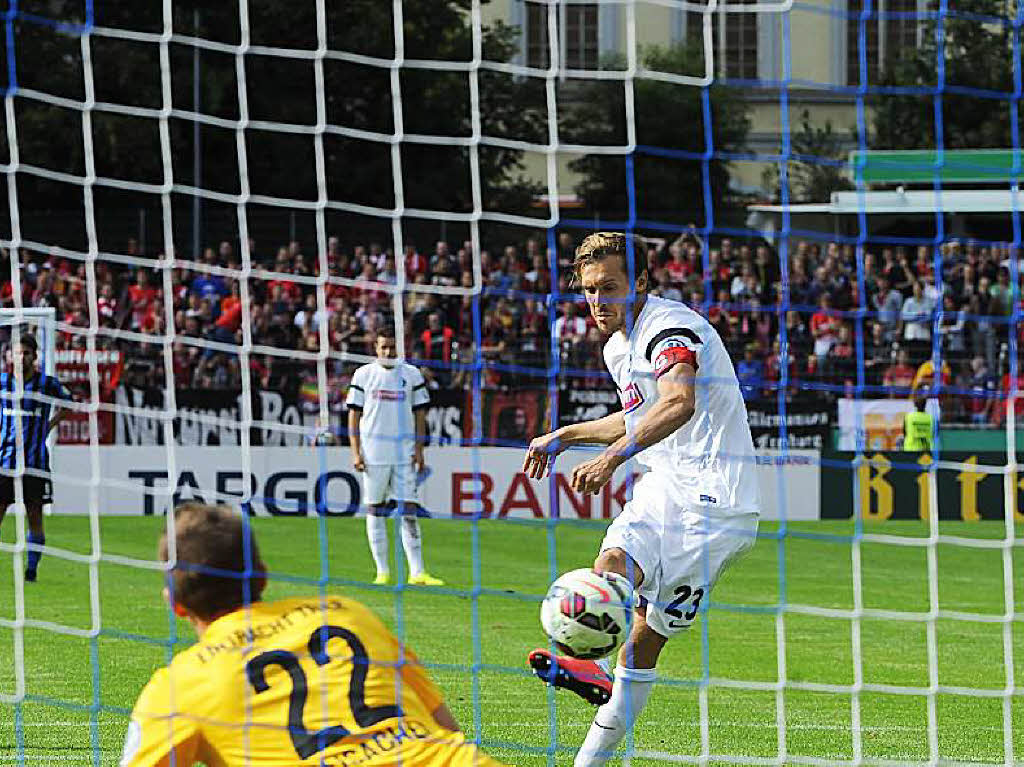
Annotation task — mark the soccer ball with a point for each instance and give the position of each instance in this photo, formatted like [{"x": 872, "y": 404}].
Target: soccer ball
[
  {"x": 325, "y": 439},
  {"x": 587, "y": 614}
]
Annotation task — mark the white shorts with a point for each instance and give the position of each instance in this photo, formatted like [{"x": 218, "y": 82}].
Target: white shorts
[
  {"x": 682, "y": 550},
  {"x": 389, "y": 482}
]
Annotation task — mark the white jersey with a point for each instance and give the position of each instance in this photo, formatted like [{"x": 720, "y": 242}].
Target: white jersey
[
  {"x": 387, "y": 395},
  {"x": 710, "y": 460}
]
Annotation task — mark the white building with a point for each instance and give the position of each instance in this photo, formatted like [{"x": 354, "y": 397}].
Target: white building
[{"x": 812, "y": 44}]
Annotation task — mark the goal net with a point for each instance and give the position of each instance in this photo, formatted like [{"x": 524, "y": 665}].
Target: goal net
[{"x": 214, "y": 212}]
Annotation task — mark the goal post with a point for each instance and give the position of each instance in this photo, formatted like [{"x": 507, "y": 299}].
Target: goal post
[{"x": 41, "y": 323}]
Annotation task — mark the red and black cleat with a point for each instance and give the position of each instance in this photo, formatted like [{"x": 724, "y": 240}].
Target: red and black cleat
[{"x": 583, "y": 677}]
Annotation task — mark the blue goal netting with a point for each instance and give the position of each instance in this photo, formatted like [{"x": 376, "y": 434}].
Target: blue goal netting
[{"x": 225, "y": 207}]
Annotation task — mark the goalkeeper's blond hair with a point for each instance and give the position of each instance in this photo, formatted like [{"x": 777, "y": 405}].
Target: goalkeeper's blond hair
[{"x": 600, "y": 245}]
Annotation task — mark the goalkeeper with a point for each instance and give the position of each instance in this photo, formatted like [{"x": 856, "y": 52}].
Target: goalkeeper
[{"x": 316, "y": 680}]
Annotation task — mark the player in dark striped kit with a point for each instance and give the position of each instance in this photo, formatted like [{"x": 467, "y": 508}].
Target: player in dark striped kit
[{"x": 40, "y": 412}]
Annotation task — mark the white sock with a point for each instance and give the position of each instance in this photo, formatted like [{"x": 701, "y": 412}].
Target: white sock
[
  {"x": 412, "y": 542},
  {"x": 605, "y": 664},
  {"x": 616, "y": 717},
  {"x": 377, "y": 535}
]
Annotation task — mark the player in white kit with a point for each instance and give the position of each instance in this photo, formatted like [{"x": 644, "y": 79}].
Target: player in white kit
[
  {"x": 696, "y": 508},
  {"x": 386, "y": 429}
]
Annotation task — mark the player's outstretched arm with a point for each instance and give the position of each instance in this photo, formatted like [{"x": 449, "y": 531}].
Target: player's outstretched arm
[
  {"x": 543, "y": 450},
  {"x": 601, "y": 431},
  {"x": 675, "y": 406}
]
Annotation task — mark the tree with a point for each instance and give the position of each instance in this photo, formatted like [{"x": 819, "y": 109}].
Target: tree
[
  {"x": 976, "y": 56},
  {"x": 667, "y": 116},
  {"x": 279, "y": 89},
  {"x": 814, "y": 173}
]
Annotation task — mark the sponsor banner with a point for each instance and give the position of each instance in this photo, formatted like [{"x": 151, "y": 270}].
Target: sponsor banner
[
  {"x": 74, "y": 428},
  {"x": 510, "y": 418},
  {"x": 489, "y": 482},
  {"x": 789, "y": 484},
  {"x": 896, "y": 485},
  {"x": 72, "y": 367},
  {"x": 211, "y": 417},
  {"x": 579, "y": 405},
  {"x": 878, "y": 422},
  {"x": 444, "y": 416},
  {"x": 807, "y": 425},
  {"x": 146, "y": 479},
  {"x": 460, "y": 482}
]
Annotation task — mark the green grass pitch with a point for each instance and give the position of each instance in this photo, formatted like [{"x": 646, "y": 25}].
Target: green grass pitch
[{"x": 514, "y": 708}]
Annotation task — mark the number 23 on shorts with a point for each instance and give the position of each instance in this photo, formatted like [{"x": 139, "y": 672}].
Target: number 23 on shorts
[{"x": 674, "y": 608}]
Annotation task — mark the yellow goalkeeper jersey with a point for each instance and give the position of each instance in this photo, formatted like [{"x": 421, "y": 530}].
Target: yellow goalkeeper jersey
[{"x": 299, "y": 681}]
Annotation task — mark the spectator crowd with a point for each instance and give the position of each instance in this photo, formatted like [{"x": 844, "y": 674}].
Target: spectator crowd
[{"x": 908, "y": 304}]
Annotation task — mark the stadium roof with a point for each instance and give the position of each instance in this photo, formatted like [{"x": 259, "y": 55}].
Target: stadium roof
[
  {"x": 909, "y": 202},
  {"x": 925, "y": 166}
]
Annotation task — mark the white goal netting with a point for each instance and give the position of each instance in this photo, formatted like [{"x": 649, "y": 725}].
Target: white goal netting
[{"x": 291, "y": 191}]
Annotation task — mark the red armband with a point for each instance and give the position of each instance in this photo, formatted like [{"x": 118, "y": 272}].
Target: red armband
[{"x": 673, "y": 356}]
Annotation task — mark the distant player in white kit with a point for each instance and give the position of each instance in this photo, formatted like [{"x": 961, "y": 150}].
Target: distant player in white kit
[
  {"x": 692, "y": 513},
  {"x": 386, "y": 430}
]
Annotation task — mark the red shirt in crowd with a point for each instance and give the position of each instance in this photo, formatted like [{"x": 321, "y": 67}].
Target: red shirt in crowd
[
  {"x": 716, "y": 315},
  {"x": 447, "y": 335},
  {"x": 678, "y": 271},
  {"x": 332, "y": 291},
  {"x": 228, "y": 303},
  {"x": 143, "y": 301},
  {"x": 824, "y": 323},
  {"x": 773, "y": 369},
  {"x": 106, "y": 308},
  {"x": 231, "y": 319},
  {"x": 289, "y": 288},
  {"x": 415, "y": 264},
  {"x": 1003, "y": 405},
  {"x": 899, "y": 375}
]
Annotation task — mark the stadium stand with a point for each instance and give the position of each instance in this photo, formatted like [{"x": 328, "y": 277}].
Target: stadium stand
[{"x": 905, "y": 301}]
